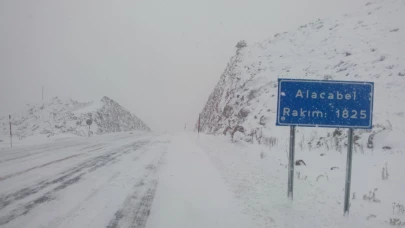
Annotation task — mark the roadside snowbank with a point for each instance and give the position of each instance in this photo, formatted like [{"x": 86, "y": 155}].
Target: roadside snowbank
[{"x": 257, "y": 175}]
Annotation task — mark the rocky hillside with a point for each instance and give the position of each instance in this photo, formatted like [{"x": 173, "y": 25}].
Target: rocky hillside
[
  {"x": 365, "y": 46},
  {"x": 70, "y": 116}
]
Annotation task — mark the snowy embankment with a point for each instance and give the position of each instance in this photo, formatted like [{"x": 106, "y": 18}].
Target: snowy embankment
[
  {"x": 257, "y": 175},
  {"x": 365, "y": 45},
  {"x": 67, "y": 117}
]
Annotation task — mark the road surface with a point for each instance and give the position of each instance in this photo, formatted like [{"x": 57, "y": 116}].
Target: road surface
[{"x": 117, "y": 180}]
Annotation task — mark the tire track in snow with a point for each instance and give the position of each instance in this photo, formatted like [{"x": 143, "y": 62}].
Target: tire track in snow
[
  {"x": 56, "y": 222},
  {"x": 26, "y": 208},
  {"x": 136, "y": 207},
  {"x": 36, "y": 151},
  {"x": 68, "y": 178},
  {"x": 39, "y": 166},
  {"x": 27, "y": 157}
]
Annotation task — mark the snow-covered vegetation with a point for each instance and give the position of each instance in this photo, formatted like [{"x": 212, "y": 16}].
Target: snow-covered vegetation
[
  {"x": 257, "y": 176},
  {"x": 364, "y": 46}
]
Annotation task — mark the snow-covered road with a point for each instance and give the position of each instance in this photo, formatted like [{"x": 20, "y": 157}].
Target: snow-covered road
[
  {"x": 116, "y": 180},
  {"x": 152, "y": 180},
  {"x": 106, "y": 181}
]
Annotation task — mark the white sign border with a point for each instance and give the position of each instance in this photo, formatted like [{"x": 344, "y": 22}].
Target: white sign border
[{"x": 325, "y": 82}]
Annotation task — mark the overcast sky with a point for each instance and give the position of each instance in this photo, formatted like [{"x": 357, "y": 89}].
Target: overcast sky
[{"x": 160, "y": 59}]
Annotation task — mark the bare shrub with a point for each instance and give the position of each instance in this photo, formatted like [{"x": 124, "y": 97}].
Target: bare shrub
[
  {"x": 384, "y": 172},
  {"x": 309, "y": 146},
  {"x": 370, "y": 143},
  {"x": 270, "y": 141},
  {"x": 241, "y": 44},
  {"x": 262, "y": 155},
  {"x": 300, "y": 162},
  {"x": 227, "y": 111},
  {"x": 371, "y": 216},
  {"x": 237, "y": 129},
  {"x": 301, "y": 143},
  {"x": 322, "y": 176},
  {"x": 227, "y": 129},
  {"x": 382, "y": 58},
  {"x": 252, "y": 135},
  {"x": 361, "y": 146},
  {"x": 317, "y": 178},
  {"x": 396, "y": 222},
  {"x": 286, "y": 152},
  {"x": 299, "y": 176},
  {"x": 259, "y": 136},
  {"x": 328, "y": 77},
  {"x": 398, "y": 208},
  {"x": 370, "y": 197},
  {"x": 244, "y": 112}
]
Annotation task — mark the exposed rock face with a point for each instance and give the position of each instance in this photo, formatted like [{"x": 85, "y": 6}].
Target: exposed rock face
[{"x": 111, "y": 117}]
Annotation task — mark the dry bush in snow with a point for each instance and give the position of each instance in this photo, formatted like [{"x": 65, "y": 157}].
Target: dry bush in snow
[
  {"x": 370, "y": 197},
  {"x": 384, "y": 172}
]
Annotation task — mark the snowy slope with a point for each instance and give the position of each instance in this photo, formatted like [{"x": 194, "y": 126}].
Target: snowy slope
[
  {"x": 257, "y": 177},
  {"x": 70, "y": 116},
  {"x": 365, "y": 46}
]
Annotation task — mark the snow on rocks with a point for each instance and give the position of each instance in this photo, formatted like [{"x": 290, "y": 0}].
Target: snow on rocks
[
  {"x": 69, "y": 117},
  {"x": 363, "y": 46}
]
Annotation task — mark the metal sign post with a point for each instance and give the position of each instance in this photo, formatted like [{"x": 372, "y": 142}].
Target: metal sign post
[
  {"x": 324, "y": 103},
  {"x": 199, "y": 122},
  {"x": 11, "y": 134},
  {"x": 89, "y": 122},
  {"x": 291, "y": 164},
  {"x": 348, "y": 170}
]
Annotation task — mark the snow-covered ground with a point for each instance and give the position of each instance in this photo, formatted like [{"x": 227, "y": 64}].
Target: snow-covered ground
[
  {"x": 184, "y": 180},
  {"x": 257, "y": 175}
]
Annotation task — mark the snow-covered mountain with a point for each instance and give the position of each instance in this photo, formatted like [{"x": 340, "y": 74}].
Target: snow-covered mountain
[
  {"x": 368, "y": 45},
  {"x": 68, "y": 116}
]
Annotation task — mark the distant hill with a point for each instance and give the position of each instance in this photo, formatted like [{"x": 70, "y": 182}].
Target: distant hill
[
  {"x": 365, "y": 46},
  {"x": 68, "y": 116}
]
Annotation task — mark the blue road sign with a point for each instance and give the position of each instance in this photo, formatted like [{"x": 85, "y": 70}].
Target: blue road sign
[{"x": 321, "y": 103}]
